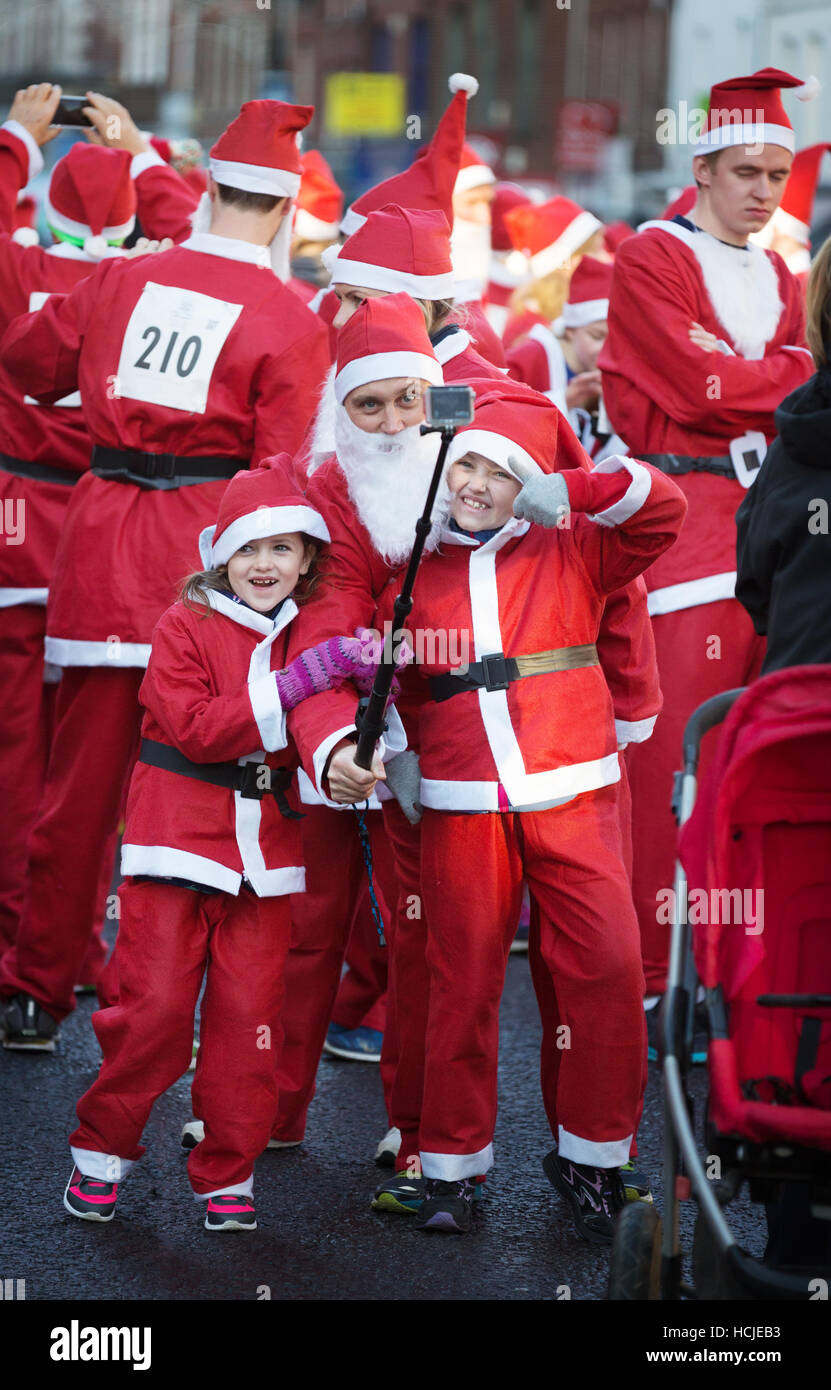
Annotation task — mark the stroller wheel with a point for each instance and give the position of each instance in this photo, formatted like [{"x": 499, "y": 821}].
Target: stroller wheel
[{"x": 635, "y": 1270}]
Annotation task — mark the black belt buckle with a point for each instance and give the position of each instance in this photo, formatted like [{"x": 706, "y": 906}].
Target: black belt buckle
[
  {"x": 159, "y": 465},
  {"x": 495, "y": 671},
  {"x": 250, "y": 781}
]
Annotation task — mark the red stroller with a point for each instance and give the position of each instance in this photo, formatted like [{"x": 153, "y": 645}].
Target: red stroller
[{"x": 752, "y": 922}]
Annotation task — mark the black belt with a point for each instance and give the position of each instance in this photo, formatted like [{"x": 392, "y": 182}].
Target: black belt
[
  {"x": 236, "y": 777},
  {"x": 42, "y": 472},
  {"x": 162, "y": 472},
  {"x": 674, "y": 464},
  {"x": 497, "y": 671}
]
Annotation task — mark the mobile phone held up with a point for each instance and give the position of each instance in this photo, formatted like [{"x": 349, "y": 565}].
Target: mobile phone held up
[{"x": 70, "y": 111}]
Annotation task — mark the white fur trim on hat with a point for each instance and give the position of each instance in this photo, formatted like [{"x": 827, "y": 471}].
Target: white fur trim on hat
[
  {"x": 725, "y": 135},
  {"x": 365, "y": 275},
  {"x": 463, "y": 82},
  {"x": 473, "y": 176},
  {"x": 351, "y": 221},
  {"x": 311, "y": 228},
  {"x": 262, "y": 522},
  {"x": 82, "y": 229},
  {"x": 255, "y": 178},
  {"x": 380, "y": 366},
  {"x": 810, "y": 88},
  {"x": 495, "y": 447},
  {"x": 589, "y": 311},
  {"x": 576, "y": 233},
  {"x": 789, "y": 225}
]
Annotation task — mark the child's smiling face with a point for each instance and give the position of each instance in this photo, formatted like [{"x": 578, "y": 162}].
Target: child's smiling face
[
  {"x": 483, "y": 493},
  {"x": 265, "y": 570}
]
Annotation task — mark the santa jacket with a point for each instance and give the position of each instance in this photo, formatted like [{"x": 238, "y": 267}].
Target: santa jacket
[
  {"x": 665, "y": 394},
  {"x": 164, "y": 365},
  {"x": 547, "y": 737},
  {"x": 210, "y": 692},
  {"x": 355, "y": 578},
  {"x": 52, "y": 435}
]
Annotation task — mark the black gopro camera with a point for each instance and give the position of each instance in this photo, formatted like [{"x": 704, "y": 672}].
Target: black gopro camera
[
  {"x": 70, "y": 111},
  {"x": 448, "y": 407}
]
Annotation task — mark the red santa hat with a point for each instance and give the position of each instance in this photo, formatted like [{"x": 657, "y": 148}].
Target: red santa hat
[
  {"x": 793, "y": 215},
  {"x": 396, "y": 249},
  {"x": 550, "y": 232},
  {"x": 506, "y": 197},
  {"x": 680, "y": 206},
  {"x": 259, "y": 502},
  {"x": 430, "y": 180},
  {"x": 25, "y": 213},
  {"x": 319, "y": 202},
  {"x": 749, "y": 111},
  {"x": 512, "y": 423},
  {"x": 91, "y": 199},
  {"x": 473, "y": 172},
  {"x": 386, "y": 337},
  {"x": 259, "y": 152},
  {"x": 588, "y": 295},
  {"x": 614, "y": 233}
]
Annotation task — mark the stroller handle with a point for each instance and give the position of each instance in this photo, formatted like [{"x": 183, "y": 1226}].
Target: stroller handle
[{"x": 706, "y": 717}]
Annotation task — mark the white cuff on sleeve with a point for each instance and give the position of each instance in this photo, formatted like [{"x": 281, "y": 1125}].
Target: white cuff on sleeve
[
  {"x": 32, "y": 146},
  {"x": 268, "y": 712},
  {"x": 146, "y": 160}
]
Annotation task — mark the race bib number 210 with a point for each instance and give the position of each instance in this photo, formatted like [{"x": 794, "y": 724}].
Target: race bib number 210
[{"x": 171, "y": 345}]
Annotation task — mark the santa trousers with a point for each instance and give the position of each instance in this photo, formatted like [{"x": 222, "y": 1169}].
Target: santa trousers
[
  {"x": 25, "y": 728},
  {"x": 94, "y": 746},
  {"x": 571, "y": 859},
  {"x": 321, "y": 921},
  {"x": 168, "y": 937},
  {"x": 701, "y": 651}
]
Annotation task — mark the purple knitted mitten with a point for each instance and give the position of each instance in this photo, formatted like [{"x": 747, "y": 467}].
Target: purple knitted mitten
[{"x": 319, "y": 668}]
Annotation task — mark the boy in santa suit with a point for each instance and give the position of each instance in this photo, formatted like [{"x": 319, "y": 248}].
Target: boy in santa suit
[
  {"x": 552, "y": 236},
  {"x": 517, "y": 780},
  {"x": 211, "y": 852},
  {"x": 560, "y": 360},
  {"x": 181, "y": 386},
  {"x": 90, "y": 207},
  {"x": 705, "y": 339}
]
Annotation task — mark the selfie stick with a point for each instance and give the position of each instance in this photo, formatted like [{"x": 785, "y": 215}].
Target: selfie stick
[{"x": 369, "y": 720}]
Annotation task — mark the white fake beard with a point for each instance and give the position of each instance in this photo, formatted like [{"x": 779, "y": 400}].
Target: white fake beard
[
  {"x": 323, "y": 432},
  {"x": 388, "y": 477},
  {"x": 279, "y": 248},
  {"x": 744, "y": 290},
  {"x": 470, "y": 251}
]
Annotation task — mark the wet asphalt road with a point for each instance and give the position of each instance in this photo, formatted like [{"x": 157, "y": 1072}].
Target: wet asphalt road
[{"x": 317, "y": 1237}]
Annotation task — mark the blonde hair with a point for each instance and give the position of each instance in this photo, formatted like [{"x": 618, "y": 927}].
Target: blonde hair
[
  {"x": 549, "y": 293},
  {"x": 818, "y": 308},
  {"x": 194, "y": 589}
]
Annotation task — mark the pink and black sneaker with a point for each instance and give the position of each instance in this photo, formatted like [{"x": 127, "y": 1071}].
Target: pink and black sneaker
[
  {"x": 90, "y": 1198},
  {"x": 230, "y": 1212},
  {"x": 596, "y": 1195}
]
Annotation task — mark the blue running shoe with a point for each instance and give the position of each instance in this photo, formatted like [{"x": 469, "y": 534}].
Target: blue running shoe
[{"x": 355, "y": 1044}]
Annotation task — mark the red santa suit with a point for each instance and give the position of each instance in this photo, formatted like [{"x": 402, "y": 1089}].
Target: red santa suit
[
  {"x": 518, "y": 778},
  {"x": 666, "y": 277},
  {"x": 45, "y": 450},
  {"x": 165, "y": 368},
  {"x": 211, "y": 705}
]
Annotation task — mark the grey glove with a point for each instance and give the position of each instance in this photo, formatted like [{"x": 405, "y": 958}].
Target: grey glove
[
  {"x": 543, "y": 497},
  {"x": 404, "y": 781}
]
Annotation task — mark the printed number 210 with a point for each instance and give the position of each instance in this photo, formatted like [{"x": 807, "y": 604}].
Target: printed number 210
[{"x": 188, "y": 352}]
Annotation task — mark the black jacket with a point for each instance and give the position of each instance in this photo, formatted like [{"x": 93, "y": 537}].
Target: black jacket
[{"x": 784, "y": 546}]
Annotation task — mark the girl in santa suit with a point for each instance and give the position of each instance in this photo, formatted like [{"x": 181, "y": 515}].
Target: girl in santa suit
[
  {"x": 519, "y": 774},
  {"x": 211, "y": 852}
]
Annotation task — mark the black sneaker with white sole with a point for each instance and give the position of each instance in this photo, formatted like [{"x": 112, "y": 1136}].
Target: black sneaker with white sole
[
  {"x": 447, "y": 1206},
  {"x": 230, "y": 1212},
  {"x": 90, "y": 1198},
  {"x": 596, "y": 1195},
  {"x": 28, "y": 1027}
]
